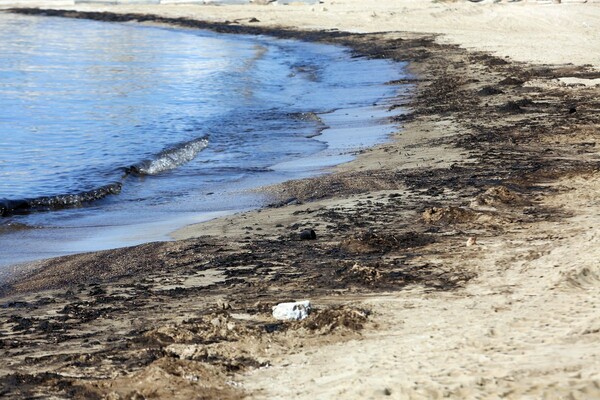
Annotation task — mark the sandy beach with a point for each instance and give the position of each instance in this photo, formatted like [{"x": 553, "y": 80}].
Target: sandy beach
[{"x": 459, "y": 260}]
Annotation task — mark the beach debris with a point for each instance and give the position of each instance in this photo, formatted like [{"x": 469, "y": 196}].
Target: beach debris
[
  {"x": 511, "y": 81},
  {"x": 308, "y": 234},
  {"x": 294, "y": 311},
  {"x": 371, "y": 241},
  {"x": 342, "y": 317},
  {"x": 472, "y": 241},
  {"x": 187, "y": 351},
  {"x": 497, "y": 197},
  {"x": 489, "y": 91},
  {"x": 447, "y": 215},
  {"x": 369, "y": 274},
  {"x": 223, "y": 305},
  {"x": 516, "y": 107}
]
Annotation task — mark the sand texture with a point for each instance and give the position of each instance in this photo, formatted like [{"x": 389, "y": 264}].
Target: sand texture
[{"x": 459, "y": 260}]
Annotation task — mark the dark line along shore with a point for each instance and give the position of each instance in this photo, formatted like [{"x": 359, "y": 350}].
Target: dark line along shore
[{"x": 477, "y": 157}]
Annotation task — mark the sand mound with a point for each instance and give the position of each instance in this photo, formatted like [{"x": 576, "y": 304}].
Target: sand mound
[
  {"x": 165, "y": 378},
  {"x": 584, "y": 277},
  {"x": 338, "y": 318},
  {"x": 374, "y": 242},
  {"x": 447, "y": 215},
  {"x": 497, "y": 197}
]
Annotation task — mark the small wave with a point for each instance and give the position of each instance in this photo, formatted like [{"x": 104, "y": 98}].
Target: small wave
[
  {"x": 15, "y": 227},
  {"x": 311, "y": 72},
  {"x": 164, "y": 161},
  {"x": 307, "y": 116},
  {"x": 170, "y": 158},
  {"x": 310, "y": 117},
  {"x": 47, "y": 203}
]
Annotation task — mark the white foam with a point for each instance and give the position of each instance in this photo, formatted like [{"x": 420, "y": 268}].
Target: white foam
[{"x": 173, "y": 158}]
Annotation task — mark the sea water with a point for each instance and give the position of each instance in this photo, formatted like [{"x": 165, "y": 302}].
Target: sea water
[{"x": 117, "y": 134}]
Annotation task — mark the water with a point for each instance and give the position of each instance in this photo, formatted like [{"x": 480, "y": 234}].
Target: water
[{"x": 117, "y": 134}]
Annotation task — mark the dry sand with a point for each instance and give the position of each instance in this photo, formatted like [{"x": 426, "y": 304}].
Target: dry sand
[{"x": 502, "y": 150}]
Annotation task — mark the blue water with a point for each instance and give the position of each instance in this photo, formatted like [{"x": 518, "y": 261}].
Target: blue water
[{"x": 176, "y": 123}]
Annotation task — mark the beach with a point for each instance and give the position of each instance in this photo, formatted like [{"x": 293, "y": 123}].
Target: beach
[{"x": 458, "y": 260}]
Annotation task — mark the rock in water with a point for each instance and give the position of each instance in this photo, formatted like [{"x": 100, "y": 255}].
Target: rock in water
[{"x": 295, "y": 311}]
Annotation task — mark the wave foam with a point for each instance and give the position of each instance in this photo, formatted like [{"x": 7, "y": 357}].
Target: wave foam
[
  {"x": 170, "y": 158},
  {"x": 46, "y": 203}
]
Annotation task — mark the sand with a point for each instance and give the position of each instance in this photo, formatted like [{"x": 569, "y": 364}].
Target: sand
[{"x": 499, "y": 151}]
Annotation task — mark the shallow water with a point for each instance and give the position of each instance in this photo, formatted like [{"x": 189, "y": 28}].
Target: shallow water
[{"x": 116, "y": 134}]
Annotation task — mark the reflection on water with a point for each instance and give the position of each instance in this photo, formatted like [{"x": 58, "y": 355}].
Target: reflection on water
[{"x": 82, "y": 102}]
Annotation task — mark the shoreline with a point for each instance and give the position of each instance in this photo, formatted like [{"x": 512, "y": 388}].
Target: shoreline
[
  {"x": 530, "y": 31},
  {"x": 93, "y": 234},
  {"x": 494, "y": 151}
]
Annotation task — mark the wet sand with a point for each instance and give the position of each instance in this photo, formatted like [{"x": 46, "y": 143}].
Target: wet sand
[{"x": 459, "y": 260}]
